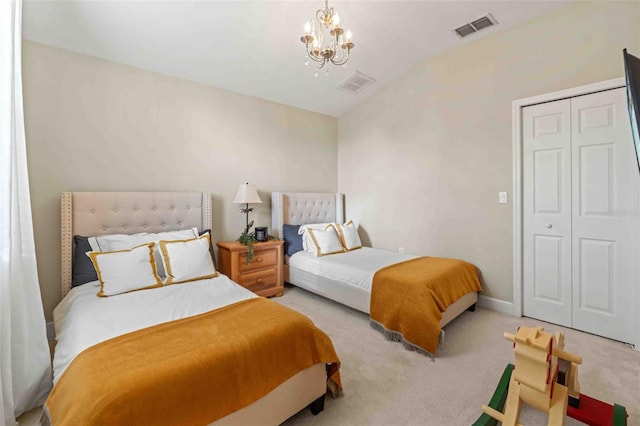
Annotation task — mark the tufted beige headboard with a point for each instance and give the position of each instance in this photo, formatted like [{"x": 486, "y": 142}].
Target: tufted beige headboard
[
  {"x": 99, "y": 213},
  {"x": 299, "y": 208}
]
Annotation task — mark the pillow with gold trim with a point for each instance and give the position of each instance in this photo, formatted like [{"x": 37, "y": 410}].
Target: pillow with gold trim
[
  {"x": 307, "y": 226},
  {"x": 113, "y": 242},
  {"x": 349, "y": 237},
  {"x": 123, "y": 271},
  {"x": 325, "y": 241},
  {"x": 308, "y": 245},
  {"x": 187, "y": 260}
]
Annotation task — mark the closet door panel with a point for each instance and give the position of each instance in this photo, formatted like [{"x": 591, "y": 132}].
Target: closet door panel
[
  {"x": 604, "y": 215},
  {"x": 547, "y": 212}
]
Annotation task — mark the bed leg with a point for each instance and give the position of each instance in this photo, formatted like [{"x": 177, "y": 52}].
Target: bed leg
[
  {"x": 317, "y": 406},
  {"x": 472, "y": 308}
]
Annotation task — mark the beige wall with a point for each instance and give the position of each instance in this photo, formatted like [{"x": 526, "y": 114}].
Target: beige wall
[
  {"x": 94, "y": 125},
  {"x": 422, "y": 162}
]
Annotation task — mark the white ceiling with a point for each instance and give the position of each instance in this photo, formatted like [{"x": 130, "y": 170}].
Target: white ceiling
[{"x": 254, "y": 48}]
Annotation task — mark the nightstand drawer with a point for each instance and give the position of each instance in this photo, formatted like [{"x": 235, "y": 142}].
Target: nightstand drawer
[
  {"x": 256, "y": 281},
  {"x": 261, "y": 259}
]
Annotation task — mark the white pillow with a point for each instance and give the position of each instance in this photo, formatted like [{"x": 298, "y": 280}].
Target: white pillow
[
  {"x": 115, "y": 242},
  {"x": 187, "y": 260},
  {"x": 308, "y": 245},
  {"x": 318, "y": 226},
  {"x": 349, "y": 237},
  {"x": 325, "y": 242},
  {"x": 125, "y": 270}
]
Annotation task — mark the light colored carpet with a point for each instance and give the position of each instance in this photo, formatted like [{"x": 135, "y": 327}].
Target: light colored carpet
[{"x": 384, "y": 384}]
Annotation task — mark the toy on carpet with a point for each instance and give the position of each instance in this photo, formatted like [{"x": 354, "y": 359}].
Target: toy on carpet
[{"x": 545, "y": 377}]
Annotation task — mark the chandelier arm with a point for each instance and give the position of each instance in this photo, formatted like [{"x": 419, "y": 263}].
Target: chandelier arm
[
  {"x": 340, "y": 62},
  {"x": 340, "y": 43},
  {"x": 340, "y": 53},
  {"x": 343, "y": 60},
  {"x": 320, "y": 61},
  {"x": 338, "y": 56},
  {"x": 316, "y": 59},
  {"x": 312, "y": 55}
]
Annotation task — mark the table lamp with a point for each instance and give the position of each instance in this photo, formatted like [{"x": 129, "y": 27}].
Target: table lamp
[{"x": 246, "y": 195}]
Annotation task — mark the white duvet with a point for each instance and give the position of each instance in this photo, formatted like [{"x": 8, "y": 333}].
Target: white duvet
[
  {"x": 83, "y": 319},
  {"x": 355, "y": 268}
]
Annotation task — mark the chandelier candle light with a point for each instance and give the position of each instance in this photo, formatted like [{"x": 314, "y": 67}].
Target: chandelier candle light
[{"x": 339, "y": 44}]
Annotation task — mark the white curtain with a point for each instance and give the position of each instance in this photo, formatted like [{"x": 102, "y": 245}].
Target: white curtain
[{"x": 25, "y": 364}]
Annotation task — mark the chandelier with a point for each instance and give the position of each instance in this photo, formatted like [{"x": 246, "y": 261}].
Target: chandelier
[{"x": 338, "y": 45}]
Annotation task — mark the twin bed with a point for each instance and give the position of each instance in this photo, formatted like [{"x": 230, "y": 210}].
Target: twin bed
[
  {"x": 208, "y": 351},
  {"x": 347, "y": 277},
  {"x": 177, "y": 377}
]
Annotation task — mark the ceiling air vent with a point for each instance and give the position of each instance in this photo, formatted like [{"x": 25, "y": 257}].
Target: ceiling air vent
[
  {"x": 355, "y": 82},
  {"x": 475, "y": 26}
]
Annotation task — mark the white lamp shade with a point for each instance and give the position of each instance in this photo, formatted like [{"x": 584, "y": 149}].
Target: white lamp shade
[{"x": 247, "y": 194}]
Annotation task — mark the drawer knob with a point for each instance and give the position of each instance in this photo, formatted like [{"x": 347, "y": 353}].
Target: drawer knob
[
  {"x": 259, "y": 281},
  {"x": 259, "y": 260}
]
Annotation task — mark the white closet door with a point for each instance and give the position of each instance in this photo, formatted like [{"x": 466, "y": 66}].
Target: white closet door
[
  {"x": 547, "y": 212},
  {"x": 604, "y": 215}
]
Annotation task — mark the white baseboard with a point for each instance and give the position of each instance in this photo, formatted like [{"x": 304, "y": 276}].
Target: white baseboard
[
  {"x": 51, "y": 331},
  {"x": 495, "y": 305}
]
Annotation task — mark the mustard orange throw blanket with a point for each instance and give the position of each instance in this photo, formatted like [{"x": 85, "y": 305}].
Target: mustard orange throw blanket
[
  {"x": 408, "y": 298},
  {"x": 190, "y": 371}
]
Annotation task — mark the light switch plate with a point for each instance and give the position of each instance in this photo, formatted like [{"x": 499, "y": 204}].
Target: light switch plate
[{"x": 502, "y": 197}]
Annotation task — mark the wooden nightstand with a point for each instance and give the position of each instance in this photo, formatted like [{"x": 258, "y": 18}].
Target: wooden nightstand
[{"x": 263, "y": 275}]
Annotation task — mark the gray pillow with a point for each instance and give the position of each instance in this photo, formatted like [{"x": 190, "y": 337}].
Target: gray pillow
[
  {"x": 82, "y": 270},
  {"x": 292, "y": 241}
]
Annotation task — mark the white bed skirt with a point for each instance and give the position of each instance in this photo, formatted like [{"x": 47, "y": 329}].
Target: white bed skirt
[{"x": 359, "y": 298}]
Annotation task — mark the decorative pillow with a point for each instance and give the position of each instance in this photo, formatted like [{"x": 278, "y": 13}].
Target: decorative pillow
[
  {"x": 292, "y": 240},
  {"x": 115, "y": 242},
  {"x": 125, "y": 270},
  {"x": 187, "y": 260},
  {"x": 325, "y": 241},
  {"x": 308, "y": 245},
  {"x": 349, "y": 237},
  {"x": 82, "y": 269},
  {"x": 318, "y": 226}
]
